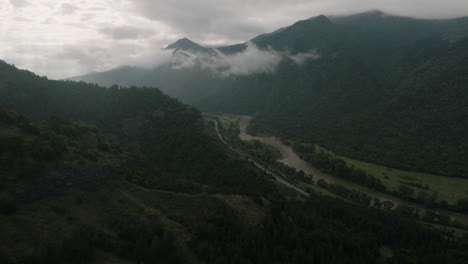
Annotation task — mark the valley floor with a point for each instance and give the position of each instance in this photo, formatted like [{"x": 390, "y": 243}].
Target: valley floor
[{"x": 448, "y": 188}]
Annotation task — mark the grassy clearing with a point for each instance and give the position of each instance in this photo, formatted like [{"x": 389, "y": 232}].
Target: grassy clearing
[
  {"x": 248, "y": 211},
  {"x": 449, "y": 189},
  {"x": 321, "y": 191},
  {"x": 457, "y": 232},
  {"x": 227, "y": 121},
  {"x": 229, "y": 126}
]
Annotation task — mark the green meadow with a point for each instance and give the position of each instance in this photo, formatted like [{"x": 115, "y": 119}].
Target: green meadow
[{"x": 449, "y": 189}]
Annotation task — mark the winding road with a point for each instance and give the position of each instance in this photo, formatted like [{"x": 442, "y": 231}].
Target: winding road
[
  {"x": 277, "y": 178},
  {"x": 291, "y": 159}
]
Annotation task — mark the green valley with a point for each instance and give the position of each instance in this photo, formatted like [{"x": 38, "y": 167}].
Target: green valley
[
  {"x": 372, "y": 86},
  {"x": 211, "y": 207},
  {"x": 335, "y": 139}
]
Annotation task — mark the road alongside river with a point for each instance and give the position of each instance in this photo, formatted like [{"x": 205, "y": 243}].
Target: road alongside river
[
  {"x": 293, "y": 160},
  {"x": 279, "y": 179}
]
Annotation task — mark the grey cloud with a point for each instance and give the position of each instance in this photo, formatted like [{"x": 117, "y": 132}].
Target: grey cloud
[
  {"x": 67, "y": 9},
  {"x": 243, "y": 19},
  {"x": 19, "y": 3},
  {"x": 82, "y": 56},
  {"x": 126, "y": 32},
  {"x": 49, "y": 21},
  {"x": 87, "y": 16},
  {"x": 197, "y": 18},
  {"x": 23, "y": 19},
  {"x": 53, "y": 61}
]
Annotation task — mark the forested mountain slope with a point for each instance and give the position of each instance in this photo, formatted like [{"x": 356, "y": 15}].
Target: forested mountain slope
[
  {"x": 415, "y": 120},
  {"x": 165, "y": 137},
  {"x": 146, "y": 183},
  {"x": 64, "y": 198}
]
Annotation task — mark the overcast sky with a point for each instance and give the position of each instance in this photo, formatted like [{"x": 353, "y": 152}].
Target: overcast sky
[{"x": 66, "y": 38}]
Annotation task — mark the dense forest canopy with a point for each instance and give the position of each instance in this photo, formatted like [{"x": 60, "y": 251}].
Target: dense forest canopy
[
  {"x": 165, "y": 137},
  {"x": 144, "y": 181}
]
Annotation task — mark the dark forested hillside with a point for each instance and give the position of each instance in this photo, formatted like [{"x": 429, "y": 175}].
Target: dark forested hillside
[
  {"x": 165, "y": 138},
  {"x": 135, "y": 177},
  {"x": 415, "y": 120}
]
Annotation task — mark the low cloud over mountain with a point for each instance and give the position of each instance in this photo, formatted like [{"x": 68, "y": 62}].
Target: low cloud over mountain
[
  {"x": 129, "y": 31},
  {"x": 251, "y": 60}
]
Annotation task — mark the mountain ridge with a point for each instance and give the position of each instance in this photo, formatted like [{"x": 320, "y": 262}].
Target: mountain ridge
[
  {"x": 168, "y": 191},
  {"x": 372, "y": 14},
  {"x": 359, "y": 78},
  {"x": 186, "y": 44}
]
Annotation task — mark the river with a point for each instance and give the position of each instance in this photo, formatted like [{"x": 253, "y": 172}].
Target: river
[{"x": 293, "y": 160}]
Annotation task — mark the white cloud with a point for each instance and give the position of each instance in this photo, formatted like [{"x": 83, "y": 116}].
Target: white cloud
[
  {"x": 127, "y": 32},
  {"x": 250, "y": 61},
  {"x": 301, "y": 58},
  {"x": 62, "y": 39},
  {"x": 68, "y": 9}
]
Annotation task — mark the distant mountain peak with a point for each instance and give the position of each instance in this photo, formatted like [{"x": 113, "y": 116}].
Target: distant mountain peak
[
  {"x": 368, "y": 18},
  {"x": 184, "y": 41},
  {"x": 313, "y": 21},
  {"x": 320, "y": 19},
  {"x": 186, "y": 44},
  {"x": 375, "y": 12}
]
